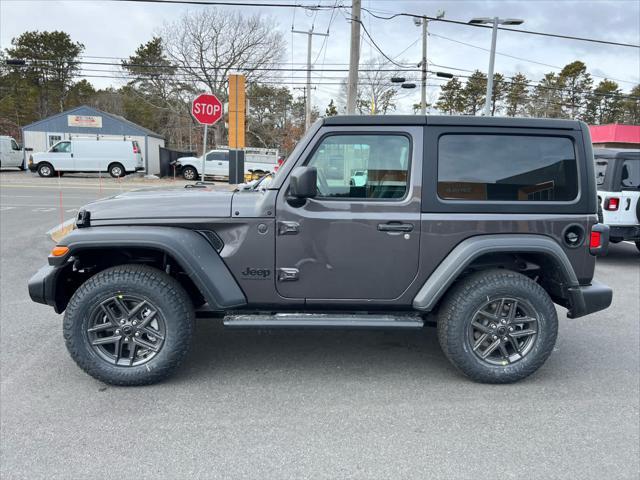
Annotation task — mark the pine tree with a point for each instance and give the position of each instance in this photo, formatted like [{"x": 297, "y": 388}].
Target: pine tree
[
  {"x": 577, "y": 84},
  {"x": 331, "y": 110},
  {"x": 605, "y": 104},
  {"x": 475, "y": 92},
  {"x": 631, "y": 107},
  {"x": 451, "y": 99},
  {"x": 546, "y": 99},
  {"x": 517, "y": 96},
  {"x": 498, "y": 93}
]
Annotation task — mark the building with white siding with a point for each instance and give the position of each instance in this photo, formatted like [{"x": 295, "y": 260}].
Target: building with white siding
[{"x": 88, "y": 122}]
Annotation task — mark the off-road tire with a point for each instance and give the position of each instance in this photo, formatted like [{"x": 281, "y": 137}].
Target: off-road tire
[
  {"x": 163, "y": 291},
  {"x": 45, "y": 170},
  {"x": 457, "y": 312},
  {"x": 189, "y": 173},
  {"x": 117, "y": 170}
]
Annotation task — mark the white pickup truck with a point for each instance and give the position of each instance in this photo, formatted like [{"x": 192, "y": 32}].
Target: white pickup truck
[{"x": 257, "y": 162}]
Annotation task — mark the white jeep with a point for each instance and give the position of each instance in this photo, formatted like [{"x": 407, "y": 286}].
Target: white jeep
[{"x": 618, "y": 179}]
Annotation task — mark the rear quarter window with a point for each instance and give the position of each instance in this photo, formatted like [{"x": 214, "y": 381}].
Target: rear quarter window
[{"x": 507, "y": 168}]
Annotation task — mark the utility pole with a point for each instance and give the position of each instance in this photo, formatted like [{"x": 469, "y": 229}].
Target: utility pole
[
  {"x": 423, "y": 93},
  {"x": 305, "y": 97},
  {"x": 354, "y": 58},
  {"x": 307, "y": 101}
]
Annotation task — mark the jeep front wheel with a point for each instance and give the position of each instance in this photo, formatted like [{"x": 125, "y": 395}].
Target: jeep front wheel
[
  {"x": 497, "y": 326},
  {"x": 129, "y": 325}
]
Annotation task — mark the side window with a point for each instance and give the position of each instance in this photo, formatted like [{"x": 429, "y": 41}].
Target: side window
[
  {"x": 363, "y": 166},
  {"x": 511, "y": 168},
  {"x": 218, "y": 156},
  {"x": 601, "y": 170},
  {"x": 62, "y": 147},
  {"x": 631, "y": 174},
  {"x": 14, "y": 145}
]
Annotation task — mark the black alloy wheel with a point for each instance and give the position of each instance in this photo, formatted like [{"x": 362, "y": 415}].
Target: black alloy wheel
[
  {"x": 503, "y": 330},
  {"x": 126, "y": 330}
]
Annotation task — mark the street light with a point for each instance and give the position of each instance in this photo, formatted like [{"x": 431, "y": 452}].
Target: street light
[{"x": 495, "y": 21}]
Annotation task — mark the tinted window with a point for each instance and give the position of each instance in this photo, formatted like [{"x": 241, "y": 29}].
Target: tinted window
[
  {"x": 506, "y": 168},
  {"x": 631, "y": 174},
  {"x": 601, "y": 170},
  {"x": 219, "y": 156},
  {"x": 62, "y": 147},
  {"x": 362, "y": 166}
]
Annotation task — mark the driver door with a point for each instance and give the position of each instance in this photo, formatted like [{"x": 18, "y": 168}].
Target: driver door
[{"x": 358, "y": 239}]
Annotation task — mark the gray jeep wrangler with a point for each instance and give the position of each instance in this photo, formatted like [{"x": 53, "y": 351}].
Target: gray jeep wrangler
[{"x": 478, "y": 224}]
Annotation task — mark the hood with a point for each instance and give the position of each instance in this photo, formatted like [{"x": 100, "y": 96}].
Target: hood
[{"x": 158, "y": 203}]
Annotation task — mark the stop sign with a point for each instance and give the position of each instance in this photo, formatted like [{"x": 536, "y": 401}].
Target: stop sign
[{"x": 206, "y": 109}]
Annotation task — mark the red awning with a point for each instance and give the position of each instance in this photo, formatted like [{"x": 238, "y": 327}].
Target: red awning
[{"x": 615, "y": 133}]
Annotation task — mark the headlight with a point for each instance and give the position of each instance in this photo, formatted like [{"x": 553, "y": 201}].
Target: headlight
[{"x": 60, "y": 231}]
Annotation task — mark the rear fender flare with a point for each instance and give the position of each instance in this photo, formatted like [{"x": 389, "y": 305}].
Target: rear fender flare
[{"x": 472, "y": 248}]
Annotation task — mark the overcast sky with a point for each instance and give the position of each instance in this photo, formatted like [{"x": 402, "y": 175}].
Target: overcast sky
[{"x": 116, "y": 29}]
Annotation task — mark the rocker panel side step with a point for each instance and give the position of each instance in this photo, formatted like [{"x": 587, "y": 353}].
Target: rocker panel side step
[{"x": 323, "y": 320}]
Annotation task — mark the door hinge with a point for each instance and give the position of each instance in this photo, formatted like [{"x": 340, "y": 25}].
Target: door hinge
[
  {"x": 288, "y": 274},
  {"x": 288, "y": 228}
]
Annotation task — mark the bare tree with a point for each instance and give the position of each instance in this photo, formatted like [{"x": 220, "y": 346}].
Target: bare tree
[{"x": 209, "y": 45}]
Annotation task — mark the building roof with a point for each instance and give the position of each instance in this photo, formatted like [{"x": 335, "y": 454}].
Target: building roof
[
  {"x": 615, "y": 133},
  {"x": 125, "y": 126}
]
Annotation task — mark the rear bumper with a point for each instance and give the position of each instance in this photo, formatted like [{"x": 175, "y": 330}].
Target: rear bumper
[
  {"x": 630, "y": 232},
  {"x": 43, "y": 286},
  {"x": 586, "y": 299},
  {"x": 139, "y": 169}
]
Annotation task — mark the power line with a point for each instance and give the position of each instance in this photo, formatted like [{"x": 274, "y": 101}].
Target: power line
[
  {"x": 517, "y": 30},
  {"x": 319, "y": 6}
]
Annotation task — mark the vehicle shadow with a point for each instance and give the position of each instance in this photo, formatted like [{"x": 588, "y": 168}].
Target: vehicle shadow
[{"x": 314, "y": 352}]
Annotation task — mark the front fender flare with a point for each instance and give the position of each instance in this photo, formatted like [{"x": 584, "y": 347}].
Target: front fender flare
[
  {"x": 474, "y": 247},
  {"x": 195, "y": 255}
]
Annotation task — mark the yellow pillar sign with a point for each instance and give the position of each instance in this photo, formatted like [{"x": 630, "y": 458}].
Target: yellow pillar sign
[{"x": 237, "y": 106}]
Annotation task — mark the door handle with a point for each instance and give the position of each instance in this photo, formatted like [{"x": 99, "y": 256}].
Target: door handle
[{"x": 395, "y": 227}]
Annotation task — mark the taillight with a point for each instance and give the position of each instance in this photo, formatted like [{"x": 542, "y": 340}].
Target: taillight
[
  {"x": 136, "y": 149},
  {"x": 599, "y": 239},
  {"x": 611, "y": 203}
]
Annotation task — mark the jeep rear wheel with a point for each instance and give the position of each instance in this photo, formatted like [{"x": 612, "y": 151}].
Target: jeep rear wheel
[
  {"x": 129, "y": 325},
  {"x": 497, "y": 326}
]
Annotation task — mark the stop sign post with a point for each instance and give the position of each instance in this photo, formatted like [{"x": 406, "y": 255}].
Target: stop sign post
[{"x": 207, "y": 110}]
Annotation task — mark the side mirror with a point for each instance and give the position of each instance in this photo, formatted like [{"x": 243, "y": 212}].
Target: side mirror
[{"x": 302, "y": 182}]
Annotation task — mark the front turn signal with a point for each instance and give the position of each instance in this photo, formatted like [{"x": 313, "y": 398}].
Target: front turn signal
[{"x": 59, "y": 251}]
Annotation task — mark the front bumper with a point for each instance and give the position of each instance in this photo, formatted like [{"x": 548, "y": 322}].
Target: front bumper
[
  {"x": 586, "y": 299},
  {"x": 630, "y": 232},
  {"x": 32, "y": 167},
  {"x": 44, "y": 287}
]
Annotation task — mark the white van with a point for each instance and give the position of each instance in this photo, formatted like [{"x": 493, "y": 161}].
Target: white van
[
  {"x": 118, "y": 157},
  {"x": 11, "y": 154}
]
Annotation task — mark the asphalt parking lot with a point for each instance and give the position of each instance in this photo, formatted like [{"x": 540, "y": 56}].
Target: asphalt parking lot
[{"x": 290, "y": 404}]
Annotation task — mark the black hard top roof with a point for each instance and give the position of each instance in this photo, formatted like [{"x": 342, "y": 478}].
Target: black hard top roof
[
  {"x": 624, "y": 153},
  {"x": 355, "y": 120}
]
